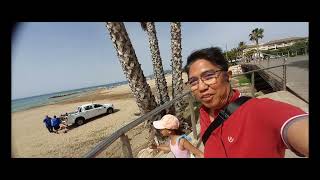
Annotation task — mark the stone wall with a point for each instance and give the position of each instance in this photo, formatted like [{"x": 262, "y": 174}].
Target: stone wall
[{"x": 236, "y": 69}]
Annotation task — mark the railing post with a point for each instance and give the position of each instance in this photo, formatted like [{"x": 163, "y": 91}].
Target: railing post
[
  {"x": 252, "y": 84},
  {"x": 284, "y": 80},
  {"x": 126, "y": 147},
  {"x": 193, "y": 118}
]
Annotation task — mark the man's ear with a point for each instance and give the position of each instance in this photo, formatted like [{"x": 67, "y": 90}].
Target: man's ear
[{"x": 228, "y": 76}]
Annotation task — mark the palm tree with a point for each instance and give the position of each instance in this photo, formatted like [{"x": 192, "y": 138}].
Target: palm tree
[
  {"x": 131, "y": 67},
  {"x": 177, "y": 81},
  {"x": 160, "y": 81},
  {"x": 255, "y": 35},
  {"x": 241, "y": 47}
]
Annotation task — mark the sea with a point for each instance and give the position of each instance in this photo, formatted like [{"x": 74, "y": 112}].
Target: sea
[{"x": 45, "y": 99}]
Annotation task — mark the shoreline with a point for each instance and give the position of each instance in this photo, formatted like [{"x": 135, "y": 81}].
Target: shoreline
[
  {"x": 51, "y": 101},
  {"x": 83, "y": 96},
  {"x": 57, "y": 97}
]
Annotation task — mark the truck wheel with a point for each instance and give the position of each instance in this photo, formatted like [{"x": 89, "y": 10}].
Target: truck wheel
[
  {"x": 79, "y": 121},
  {"x": 109, "y": 111}
]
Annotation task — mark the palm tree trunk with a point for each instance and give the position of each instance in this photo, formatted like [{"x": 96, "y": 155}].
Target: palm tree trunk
[
  {"x": 160, "y": 81},
  {"x": 258, "y": 51},
  {"x": 131, "y": 67},
  {"x": 177, "y": 81}
]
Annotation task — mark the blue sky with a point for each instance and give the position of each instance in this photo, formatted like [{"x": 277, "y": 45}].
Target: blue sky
[{"x": 55, "y": 56}]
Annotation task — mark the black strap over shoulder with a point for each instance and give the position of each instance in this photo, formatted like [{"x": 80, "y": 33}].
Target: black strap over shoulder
[{"x": 223, "y": 116}]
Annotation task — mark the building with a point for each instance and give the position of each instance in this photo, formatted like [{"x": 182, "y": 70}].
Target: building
[{"x": 274, "y": 44}]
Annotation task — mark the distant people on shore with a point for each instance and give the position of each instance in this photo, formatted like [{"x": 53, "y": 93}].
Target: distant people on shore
[
  {"x": 178, "y": 143},
  {"x": 47, "y": 122},
  {"x": 63, "y": 118},
  {"x": 57, "y": 125}
]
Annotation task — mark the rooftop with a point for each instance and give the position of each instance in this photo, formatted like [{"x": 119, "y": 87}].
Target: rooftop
[{"x": 285, "y": 40}]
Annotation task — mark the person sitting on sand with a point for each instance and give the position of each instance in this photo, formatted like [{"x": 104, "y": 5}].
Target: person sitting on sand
[
  {"x": 63, "y": 118},
  {"x": 47, "y": 122},
  {"x": 64, "y": 123},
  {"x": 178, "y": 144}
]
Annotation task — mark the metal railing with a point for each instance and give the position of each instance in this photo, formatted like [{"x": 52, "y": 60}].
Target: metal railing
[
  {"x": 121, "y": 133},
  {"x": 278, "y": 58},
  {"x": 284, "y": 77}
]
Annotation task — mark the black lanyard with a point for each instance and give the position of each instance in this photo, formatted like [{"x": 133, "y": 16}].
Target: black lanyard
[{"x": 223, "y": 116}]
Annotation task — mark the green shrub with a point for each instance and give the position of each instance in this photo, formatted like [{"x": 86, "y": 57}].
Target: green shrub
[{"x": 243, "y": 79}]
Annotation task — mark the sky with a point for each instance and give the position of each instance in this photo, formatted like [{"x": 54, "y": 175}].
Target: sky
[{"x": 50, "y": 57}]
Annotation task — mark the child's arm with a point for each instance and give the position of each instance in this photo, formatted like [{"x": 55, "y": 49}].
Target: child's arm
[
  {"x": 161, "y": 147},
  {"x": 164, "y": 148},
  {"x": 187, "y": 145}
]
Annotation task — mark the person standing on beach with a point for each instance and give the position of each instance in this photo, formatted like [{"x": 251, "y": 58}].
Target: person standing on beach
[
  {"x": 47, "y": 122},
  {"x": 260, "y": 127},
  {"x": 55, "y": 123}
]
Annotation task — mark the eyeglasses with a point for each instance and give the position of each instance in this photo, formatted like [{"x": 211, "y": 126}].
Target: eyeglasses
[{"x": 208, "y": 77}]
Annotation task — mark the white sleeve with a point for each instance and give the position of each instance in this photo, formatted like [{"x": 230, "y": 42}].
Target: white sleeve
[{"x": 284, "y": 129}]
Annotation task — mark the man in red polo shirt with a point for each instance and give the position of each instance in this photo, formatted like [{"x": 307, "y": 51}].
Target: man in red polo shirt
[{"x": 258, "y": 128}]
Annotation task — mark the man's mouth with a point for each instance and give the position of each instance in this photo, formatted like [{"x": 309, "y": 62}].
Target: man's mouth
[{"x": 206, "y": 97}]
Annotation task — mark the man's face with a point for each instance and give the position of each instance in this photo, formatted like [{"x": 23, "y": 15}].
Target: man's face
[{"x": 212, "y": 95}]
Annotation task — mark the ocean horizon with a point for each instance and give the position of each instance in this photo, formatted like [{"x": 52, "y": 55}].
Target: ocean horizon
[{"x": 25, "y": 103}]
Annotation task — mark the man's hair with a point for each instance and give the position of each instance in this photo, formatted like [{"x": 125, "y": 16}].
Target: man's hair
[{"x": 211, "y": 54}]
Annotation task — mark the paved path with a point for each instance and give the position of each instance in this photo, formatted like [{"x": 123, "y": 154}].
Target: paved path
[{"x": 297, "y": 73}]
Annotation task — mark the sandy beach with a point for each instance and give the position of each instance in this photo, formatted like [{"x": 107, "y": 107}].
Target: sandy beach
[{"x": 30, "y": 138}]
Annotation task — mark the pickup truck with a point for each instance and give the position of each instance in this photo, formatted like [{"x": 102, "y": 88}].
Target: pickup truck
[{"x": 87, "y": 111}]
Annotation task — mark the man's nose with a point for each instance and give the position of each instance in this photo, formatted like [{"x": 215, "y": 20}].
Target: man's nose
[{"x": 202, "y": 86}]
